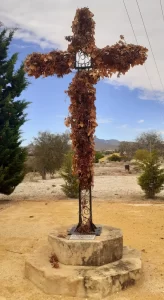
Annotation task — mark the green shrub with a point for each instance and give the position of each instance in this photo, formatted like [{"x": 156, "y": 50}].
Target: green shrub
[
  {"x": 71, "y": 186},
  {"x": 98, "y": 155},
  {"x": 114, "y": 157},
  {"x": 141, "y": 155},
  {"x": 152, "y": 178}
]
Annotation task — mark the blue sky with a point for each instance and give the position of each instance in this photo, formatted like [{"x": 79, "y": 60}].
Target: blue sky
[{"x": 125, "y": 106}]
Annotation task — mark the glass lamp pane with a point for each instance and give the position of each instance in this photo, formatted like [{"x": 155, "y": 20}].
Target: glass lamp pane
[{"x": 83, "y": 60}]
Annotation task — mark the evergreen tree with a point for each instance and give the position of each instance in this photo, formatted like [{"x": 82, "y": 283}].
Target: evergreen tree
[
  {"x": 12, "y": 117},
  {"x": 71, "y": 186},
  {"x": 152, "y": 178}
]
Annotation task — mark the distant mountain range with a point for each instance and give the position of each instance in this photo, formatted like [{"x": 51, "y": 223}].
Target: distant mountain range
[{"x": 101, "y": 144}]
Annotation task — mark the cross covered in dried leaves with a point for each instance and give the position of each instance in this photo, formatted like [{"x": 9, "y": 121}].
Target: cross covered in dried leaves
[{"x": 104, "y": 63}]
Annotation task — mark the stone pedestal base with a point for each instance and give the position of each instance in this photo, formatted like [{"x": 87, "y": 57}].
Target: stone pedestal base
[
  {"x": 83, "y": 281},
  {"x": 104, "y": 249}
]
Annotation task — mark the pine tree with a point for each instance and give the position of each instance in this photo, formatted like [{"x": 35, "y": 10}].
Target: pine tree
[
  {"x": 12, "y": 117},
  {"x": 152, "y": 178},
  {"x": 71, "y": 186}
]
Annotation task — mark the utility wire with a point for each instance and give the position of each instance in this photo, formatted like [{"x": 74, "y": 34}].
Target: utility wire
[
  {"x": 162, "y": 9},
  {"x": 150, "y": 45},
  {"x": 137, "y": 41},
  {"x": 130, "y": 21}
]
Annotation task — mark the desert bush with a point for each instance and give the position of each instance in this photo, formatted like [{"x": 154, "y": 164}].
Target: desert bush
[
  {"x": 152, "y": 178},
  {"x": 98, "y": 155},
  {"x": 48, "y": 152},
  {"x": 150, "y": 141},
  {"x": 30, "y": 165},
  {"x": 127, "y": 149},
  {"x": 136, "y": 168},
  {"x": 141, "y": 155},
  {"x": 71, "y": 186},
  {"x": 114, "y": 157}
]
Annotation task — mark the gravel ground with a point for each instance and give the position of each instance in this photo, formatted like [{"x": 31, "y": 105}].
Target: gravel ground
[{"x": 107, "y": 187}]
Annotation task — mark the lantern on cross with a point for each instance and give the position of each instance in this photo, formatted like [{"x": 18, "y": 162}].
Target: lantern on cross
[
  {"x": 83, "y": 61},
  {"x": 92, "y": 64}
]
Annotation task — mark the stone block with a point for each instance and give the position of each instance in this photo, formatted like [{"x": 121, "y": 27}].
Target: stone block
[
  {"x": 89, "y": 282},
  {"x": 104, "y": 249}
]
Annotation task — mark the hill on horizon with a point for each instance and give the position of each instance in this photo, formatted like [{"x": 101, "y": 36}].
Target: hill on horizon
[{"x": 101, "y": 144}]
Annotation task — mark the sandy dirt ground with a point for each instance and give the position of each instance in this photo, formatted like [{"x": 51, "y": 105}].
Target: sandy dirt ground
[{"x": 24, "y": 227}]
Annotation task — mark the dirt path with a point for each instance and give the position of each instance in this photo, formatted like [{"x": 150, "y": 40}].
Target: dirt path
[{"x": 25, "y": 226}]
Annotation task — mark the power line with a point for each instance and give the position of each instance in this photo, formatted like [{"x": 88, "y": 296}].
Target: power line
[
  {"x": 130, "y": 21},
  {"x": 150, "y": 44},
  {"x": 162, "y": 9},
  {"x": 137, "y": 41}
]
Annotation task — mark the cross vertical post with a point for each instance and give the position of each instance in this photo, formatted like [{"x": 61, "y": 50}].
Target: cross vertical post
[{"x": 85, "y": 224}]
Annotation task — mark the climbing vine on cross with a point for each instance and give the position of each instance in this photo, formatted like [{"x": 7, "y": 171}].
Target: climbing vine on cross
[{"x": 115, "y": 59}]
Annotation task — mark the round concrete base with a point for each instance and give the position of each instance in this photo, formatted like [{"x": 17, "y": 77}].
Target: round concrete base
[
  {"x": 82, "y": 281},
  {"x": 103, "y": 249}
]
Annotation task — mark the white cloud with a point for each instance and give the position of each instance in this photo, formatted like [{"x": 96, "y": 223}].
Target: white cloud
[
  {"x": 152, "y": 95},
  {"x": 47, "y": 22},
  {"x": 140, "y": 121}
]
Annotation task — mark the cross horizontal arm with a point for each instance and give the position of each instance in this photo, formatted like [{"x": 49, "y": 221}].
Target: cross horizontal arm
[
  {"x": 118, "y": 58},
  {"x": 54, "y": 63}
]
